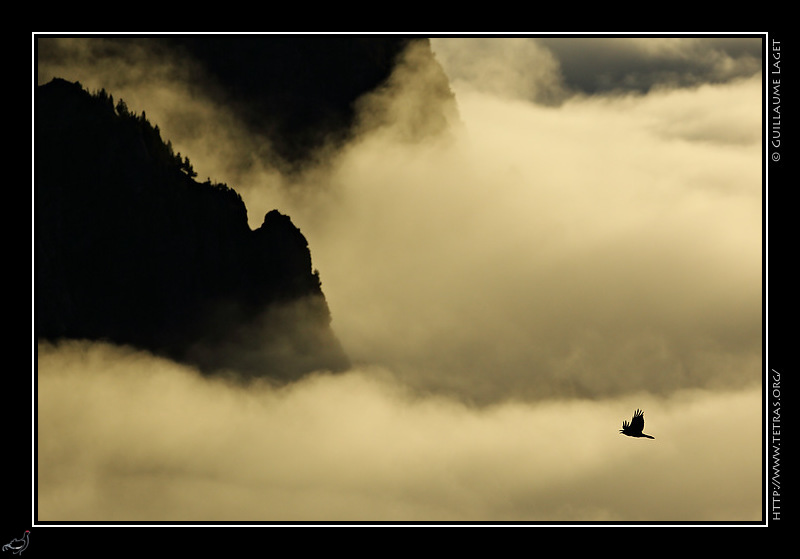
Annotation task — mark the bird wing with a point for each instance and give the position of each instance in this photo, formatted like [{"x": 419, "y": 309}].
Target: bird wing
[{"x": 637, "y": 422}]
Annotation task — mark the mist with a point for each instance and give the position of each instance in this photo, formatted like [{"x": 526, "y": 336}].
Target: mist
[
  {"x": 509, "y": 291},
  {"x": 140, "y": 438},
  {"x": 610, "y": 245}
]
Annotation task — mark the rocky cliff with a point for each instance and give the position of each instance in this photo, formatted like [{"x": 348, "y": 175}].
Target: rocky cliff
[{"x": 130, "y": 248}]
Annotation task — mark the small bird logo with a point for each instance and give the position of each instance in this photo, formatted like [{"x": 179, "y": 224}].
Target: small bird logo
[
  {"x": 635, "y": 427},
  {"x": 17, "y": 546}
]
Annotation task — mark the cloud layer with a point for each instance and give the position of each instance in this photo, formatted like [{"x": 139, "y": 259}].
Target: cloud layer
[
  {"x": 611, "y": 244},
  {"x": 124, "y": 436},
  {"x": 549, "y": 69}
]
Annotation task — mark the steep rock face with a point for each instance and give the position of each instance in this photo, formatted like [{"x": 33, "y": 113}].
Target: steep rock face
[
  {"x": 299, "y": 95},
  {"x": 129, "y": 248},
  {"x": 297, "y": 90}
]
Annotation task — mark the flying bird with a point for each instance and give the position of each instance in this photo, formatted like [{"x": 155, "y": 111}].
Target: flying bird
[{"x": 635, "y": 427}]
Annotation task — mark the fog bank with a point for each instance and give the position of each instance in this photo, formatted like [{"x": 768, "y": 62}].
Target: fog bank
[{"x": 125, "y": 436}]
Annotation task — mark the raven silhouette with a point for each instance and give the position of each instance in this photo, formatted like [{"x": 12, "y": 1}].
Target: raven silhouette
[{"x": 635, "y": 427}]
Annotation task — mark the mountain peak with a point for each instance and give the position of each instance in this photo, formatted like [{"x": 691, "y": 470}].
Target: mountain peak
[{"x": 130, "y": 249}]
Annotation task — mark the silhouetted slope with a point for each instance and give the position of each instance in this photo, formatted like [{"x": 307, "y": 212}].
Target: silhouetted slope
[
  {"x": 298, "y": 90},
  {"x": 129, "y": 248}
]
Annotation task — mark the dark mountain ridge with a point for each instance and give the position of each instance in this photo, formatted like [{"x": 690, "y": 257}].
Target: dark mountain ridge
[
  {"x": 299, "y": 98},
  {"x": 297, "y": 90},
  {"x": 131, "y": 249}
]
